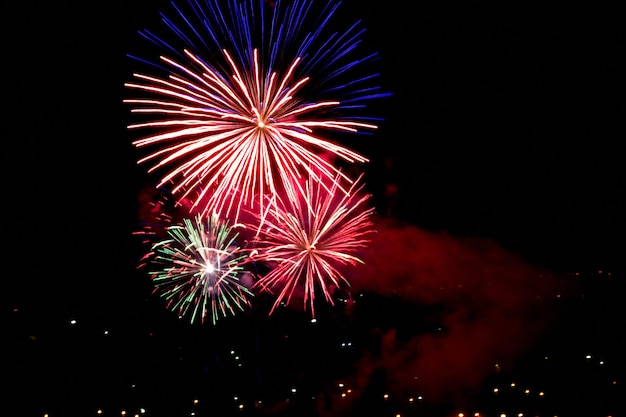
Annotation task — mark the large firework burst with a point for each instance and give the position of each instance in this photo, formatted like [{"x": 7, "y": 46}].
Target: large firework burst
[
  {"x": 198, "y": 269},
  {"x": 308, "y": 241},
  {"x": 240, "y": 95}
]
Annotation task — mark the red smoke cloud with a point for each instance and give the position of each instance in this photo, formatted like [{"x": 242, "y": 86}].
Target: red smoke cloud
[{"x": 494, "y": 307}]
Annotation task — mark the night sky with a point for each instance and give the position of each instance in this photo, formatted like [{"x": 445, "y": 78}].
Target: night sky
[{"x": 493, "y": 285}]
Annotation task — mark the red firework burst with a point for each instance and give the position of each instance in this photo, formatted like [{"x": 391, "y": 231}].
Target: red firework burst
[
  {"x": 309, "y": 240},
  {"x": 236, "y": 114}
]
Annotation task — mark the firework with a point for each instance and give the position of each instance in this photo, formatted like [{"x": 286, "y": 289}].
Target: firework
[
  {"x": 239, "y": 98},
  {"x": 199, "y": 267},
  {"x": 309, "y": 240}
]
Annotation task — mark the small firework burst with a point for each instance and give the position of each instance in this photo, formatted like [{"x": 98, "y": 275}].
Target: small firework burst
[
  {"x": 308, "y": 241},
  {"x": 198, "y": 269}
]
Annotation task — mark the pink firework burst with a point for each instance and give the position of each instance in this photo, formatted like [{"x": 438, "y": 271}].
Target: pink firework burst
[
  {"x": 308, "y": 241},
  {"x": 236, "y": 115}
]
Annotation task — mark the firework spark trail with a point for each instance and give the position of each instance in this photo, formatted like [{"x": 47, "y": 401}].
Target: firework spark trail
[
  {"x": 198, "y": 269},
  {"x": 244, "y": 122},
  {"x": 310, "y": 239}
]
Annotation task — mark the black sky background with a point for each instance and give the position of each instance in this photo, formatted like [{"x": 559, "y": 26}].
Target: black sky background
[{"x": 506, "y": 122}]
